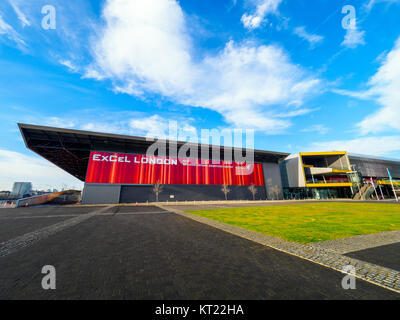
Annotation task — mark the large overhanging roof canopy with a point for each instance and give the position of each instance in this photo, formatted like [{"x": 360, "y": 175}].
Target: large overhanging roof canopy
[{"x": 70, "y": 149}]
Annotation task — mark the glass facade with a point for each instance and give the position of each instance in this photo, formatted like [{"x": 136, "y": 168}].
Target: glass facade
[
  {"x": 316, "y": 193},
  {"x": 329, "y": 176}
]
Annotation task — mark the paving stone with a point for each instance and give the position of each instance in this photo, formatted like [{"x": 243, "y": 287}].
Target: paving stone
[
  {"x": 119, "y": 255},
  {"x": 357, "y": 243},
  {"x": 27, "y": 239},
  {"x": 318, "y": 253}
]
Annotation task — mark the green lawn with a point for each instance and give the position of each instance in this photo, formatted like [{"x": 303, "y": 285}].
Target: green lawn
[{"x": 311, "y": 222}]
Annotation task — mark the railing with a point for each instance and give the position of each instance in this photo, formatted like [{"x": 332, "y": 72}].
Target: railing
[
  {"x": 315, "y": 181},
  {"x": 365, "y": 192},
  {"x": 7, "y": 203},
  {"x": 41, "y": 199},
  {"x": 330, "y": 167},
  {"x": 396, "y": 182}
]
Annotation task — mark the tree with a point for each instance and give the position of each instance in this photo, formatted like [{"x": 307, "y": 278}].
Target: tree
[
  {"x": 276, "y": 191},
  {"x": 157, "y": 189},
  {"x": 225, "y": 189},
  {"x": 253, "y": 190}
]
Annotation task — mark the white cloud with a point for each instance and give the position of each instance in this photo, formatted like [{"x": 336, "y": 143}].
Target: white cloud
[
  {"x": 144, "y": 44},
  {"x": 263, "y": 8},
  {"x": 250, "y": 21},
  {"x": 59, "y": 122},
  {"x": 384, "y": 88},
  {"x": 153, "y": 126},
  {"x": 15, "y": 166},
  {"x": 92, "y": 73},
  {"x": 156, "y": 126},
  {"x": 385, "y": 85},
  {"x": 379, "y": 146},
  {"x": 11, "y": 34},
  {"x": 362, "y": 95},
  {"x": 70, "y": 65},
  {"x": 69, "y": 41},
  {"x": 368, "y": 6},
  {"x": 115, "y": 127},
  {"x": 313, "y": 39},
  {"x": 145, "y": 48},
  {"x": 120, "y": 122},
  {"x": 21, "y": 16},
  {"x": 353, "y": 38},
  {"x": 296, "y": 112},
  {"x": 246, "y": 82},
  {"x": 319, "y": 128}
]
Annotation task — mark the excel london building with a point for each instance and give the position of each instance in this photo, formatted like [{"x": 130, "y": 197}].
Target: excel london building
[{"x": 118, "y": 169}]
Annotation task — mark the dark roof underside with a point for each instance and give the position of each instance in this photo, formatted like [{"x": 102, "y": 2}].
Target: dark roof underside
[{"x": 70, "y": 149}]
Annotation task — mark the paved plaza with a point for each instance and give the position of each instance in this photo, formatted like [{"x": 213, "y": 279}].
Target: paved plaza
[{"x": 149, "y": 252}]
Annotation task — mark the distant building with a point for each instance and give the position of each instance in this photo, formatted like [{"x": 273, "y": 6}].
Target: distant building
[
  {"x": 335, "y": 174},
  {"x": 21, "y": 189},
  {"x": 4, "y": 194}
]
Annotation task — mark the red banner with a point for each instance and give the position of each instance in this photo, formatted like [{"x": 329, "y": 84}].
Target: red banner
[{"x": 105, "y": 167}]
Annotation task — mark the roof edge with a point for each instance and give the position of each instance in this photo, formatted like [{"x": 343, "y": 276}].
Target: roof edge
[{"x": 137, "y": 138}]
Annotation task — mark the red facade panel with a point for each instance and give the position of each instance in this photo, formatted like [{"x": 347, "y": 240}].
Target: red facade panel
[{"x": 106, "y": 167}]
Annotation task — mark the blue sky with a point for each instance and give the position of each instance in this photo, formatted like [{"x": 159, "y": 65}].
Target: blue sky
[{"x": 287, "y": 69}]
